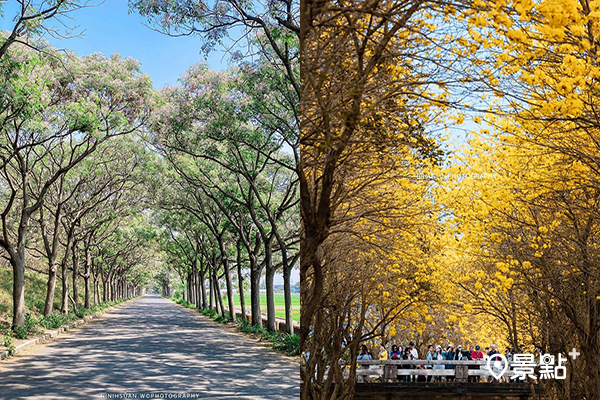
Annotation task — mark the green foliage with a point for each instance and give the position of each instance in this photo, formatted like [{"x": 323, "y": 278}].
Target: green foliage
[
  {"x": 27, "y": 328},
  {"x": 222, "y": 319},
  {"x": 288, "y": 343},
  {"x": 247, "y": 327},
  {"x": 209, "y": 312},
  {"x": 53, "y": 321},
  {"x": 7, "y": 341}
]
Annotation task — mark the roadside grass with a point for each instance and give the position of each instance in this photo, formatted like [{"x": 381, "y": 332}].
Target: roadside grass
[{"x": 286, "y": 343}]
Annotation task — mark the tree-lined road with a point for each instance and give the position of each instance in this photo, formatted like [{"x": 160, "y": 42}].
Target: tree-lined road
[{"x": 150, "y": 345}]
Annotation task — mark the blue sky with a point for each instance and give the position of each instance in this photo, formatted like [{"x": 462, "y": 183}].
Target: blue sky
[{"x": 110, "y": 28}]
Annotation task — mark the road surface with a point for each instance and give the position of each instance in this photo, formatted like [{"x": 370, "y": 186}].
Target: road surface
[{"x": 150, "y": 348}]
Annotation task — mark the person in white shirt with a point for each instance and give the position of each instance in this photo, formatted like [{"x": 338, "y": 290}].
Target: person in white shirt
[{"x": 413, "y": 351}]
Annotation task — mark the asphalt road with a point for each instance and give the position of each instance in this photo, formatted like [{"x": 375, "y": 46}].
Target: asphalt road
[{"x": 150, "y": 348}]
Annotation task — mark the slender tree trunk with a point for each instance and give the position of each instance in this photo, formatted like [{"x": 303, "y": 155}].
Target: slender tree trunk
[
  {"x": 64, "y": 308},
  {"x": 225, "y": 262},
  {"x": 287, "y": 294},
  {"x": 241, "y": 282},
  {"x": 87, "y": 273},
  {"x": 269, "y": 285},
  {"x": 113, "y": 290},
  {"x": 196, "y": 286},
  {"x": 51, "y": 289},
  {"x": 214, "y": 288},
  {"x": 18, "y": 265},
  {"x": 219, "y": 296},
  {"x": 87, "y": 303},
  {"x": 202, "y": 288},
  {"x": 210, "y": 287},
  {"x": 189, "y": 287},
  {"x": 75, "y": 260},
  {"x": 17, "y": 260},
  {"x": 255, "y": 292},
  {"x": 104, "y": 289},
  {"x": 96, "y": 290},
  {"x": 193, "y": 287}
]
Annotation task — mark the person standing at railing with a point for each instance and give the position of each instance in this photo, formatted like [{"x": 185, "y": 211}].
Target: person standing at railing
[
  {"x": 493, "y": 349},
  {"x": 407, "y": 356},
  {"x": 429, "y": 357},
  {"x": 415, "y": 356},
  {"x": 450, "y": 354},
  {"x": 438, "y": 355},
  {"x": 383, "y": 354},
  {"x": 476, "y": 355},
  {"x": 395, "y": 354},
  {"x": 413, "y": 351},
  {"x": 486, "y": 357},
  {"x": 364, "y": 355}
]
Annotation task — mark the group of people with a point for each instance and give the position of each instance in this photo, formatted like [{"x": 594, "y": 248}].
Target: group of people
[{"x": 451, "y": 352}]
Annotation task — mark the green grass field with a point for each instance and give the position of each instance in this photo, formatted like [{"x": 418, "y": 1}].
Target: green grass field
[{"x": 279, "y": 304}]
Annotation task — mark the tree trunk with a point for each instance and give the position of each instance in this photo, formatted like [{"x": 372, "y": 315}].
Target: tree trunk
[
  {"x": 96, "y": 290},
  {"x": 202, "y": 288},
  {"x": 255, "y": 292},
  {"x": 189, "y": 287},
  {"x": 269, "y": 286},
  {"x": 225, "y": 262},
  {"x": 194, "y": 286},
  {"x": 64, "y": 308},
  {"x": 113, "y": 290},
  {"x": 75, "y": 253},
  {"x": 18, "y": 264},
  {"x": 241, "y": 282},
  {"x": 210, "y": 287},
  {"x": 87, "y": 273},
  {"x": 104, "y": 289},
  {"x": 287, "y": 294},
  {"x": 218, "y": 297},
  {"x": 51, "y": 289}
]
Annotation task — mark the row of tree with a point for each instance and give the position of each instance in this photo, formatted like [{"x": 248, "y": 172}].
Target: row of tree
[
  {"x": 230, "y": 145},
  {"x": 229, "y": 199},
  {"x": 65, "y": 123},
  {"x": 408, "y": 238},
  {"x": 210, "y": 179}
]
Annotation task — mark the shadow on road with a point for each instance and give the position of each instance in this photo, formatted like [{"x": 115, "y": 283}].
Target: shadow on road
[{"x": 149, "y": 346}]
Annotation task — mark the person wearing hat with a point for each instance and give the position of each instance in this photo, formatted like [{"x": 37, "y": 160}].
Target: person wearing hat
[
  {"x": 469, "y": 355},
  {"x": 459, "y": 353},
  {"x": 477, "y": 354},
  {"x": 493, "y": 349}
]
